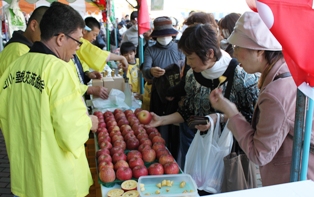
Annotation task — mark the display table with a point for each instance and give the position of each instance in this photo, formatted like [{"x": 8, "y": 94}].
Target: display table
[{"x": 294, "y": 189}]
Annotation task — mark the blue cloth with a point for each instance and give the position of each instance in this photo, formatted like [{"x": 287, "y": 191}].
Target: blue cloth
[{"x": 186, "y": 137}]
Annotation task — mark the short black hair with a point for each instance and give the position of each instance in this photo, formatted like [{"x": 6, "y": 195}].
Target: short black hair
[
  {"x": 133, "y": 15},
  {"x": 127, "y": 47},
  {"x": 200, "y": 38},
  {"x": 60, "y": 18},
  {"x": 92, "y": 22},
  {"x": 38, "y": 14}
]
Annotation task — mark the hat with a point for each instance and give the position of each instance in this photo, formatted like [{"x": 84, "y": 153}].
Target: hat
[
  {"x": 163, "y": 27},
  {"x": 251, "y": 32}
]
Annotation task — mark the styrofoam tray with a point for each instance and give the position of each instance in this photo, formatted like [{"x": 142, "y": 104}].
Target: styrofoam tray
[{"x": 150, "y": 185}]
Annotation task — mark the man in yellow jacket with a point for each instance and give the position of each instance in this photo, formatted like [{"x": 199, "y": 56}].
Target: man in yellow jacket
[
  {"x": 90, "y": 56},
  {"x": 21, "y": 42},
  {"x": 42, "y": 114}
]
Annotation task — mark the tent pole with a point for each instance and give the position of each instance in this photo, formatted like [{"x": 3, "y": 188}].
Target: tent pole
[
  {"x": 297, "y": 138},
  {"x": 307, "y": 140}
]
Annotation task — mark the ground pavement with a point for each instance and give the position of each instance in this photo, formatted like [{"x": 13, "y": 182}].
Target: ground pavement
[{"x": 5, "y": 190}]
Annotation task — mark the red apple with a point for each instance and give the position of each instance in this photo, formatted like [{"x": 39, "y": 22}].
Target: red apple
[
  {"x": 120, "y": 143},
  {"x": 133, "y": 153},
  {"x": 96, "y": 113},
  {"x": 105, "y": 144},
  {"x": 141, "y": 135},
  {"x": 105, "y": 164},
  {"x": 128, "y": 112},
  {"x": 162, "y": 151},
  {"x": 116, "y": 149},
  {"x": 101, "y": 130},
  {"x": 109, "y": 119},
  {"x": 116, "y": 137},
  {"x": 133, "y": 120},
  {"x": 117, "y": 110},
  {"x": 158, "y": 145},
  {"x": 146, "y": 141},
  {"x": 171, "y": 168},
  {"x": 163, "y": 159},
  {"x": 121, "y": 163},
  {"x": 111, "y": 122},
  {"x": 132, "y": 143},
  {"x": 102, "y": 151},
  {"x": 113, "y": 128},
  {"x": 156, "y": 169},
  {"x": 104, "y": 157},
  {"x": 136, "y": 161},
  {"x": 123, "y": 121},
  {"x": 115, "y": 132},
  {"x": 144, "y": 117},
  {"x": 137, "y": 110},
  {"x": 107, "y": 175},
  {"x": 118, "y": 156},
  {"x": 139, "y": 171},
  {"x": 129, "y": 131},
  {"x": 125, "y": 127},
  {"x": 150, "y": 129},
  {"x": 143, "y": 147},
  {"x": 101, "y": 125},
  {"x": 158, "y": 139},
  {"x": 124, "y": 173},
  {"x": 153, "y": 134},
  {"x": 129, "y": 136},
  {"x": 104, "y": 139},
  {"x": 149, "y": 155}
]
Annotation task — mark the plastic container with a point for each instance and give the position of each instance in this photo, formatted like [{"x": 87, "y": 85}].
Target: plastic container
[{"x": 150, "y": 185}]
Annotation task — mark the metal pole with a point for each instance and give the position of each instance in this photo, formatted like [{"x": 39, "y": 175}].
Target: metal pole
[
  {"x": 297, "y": 138},
  {"x": 307, "y": 140},
  {"x": 141, "y": 56}
]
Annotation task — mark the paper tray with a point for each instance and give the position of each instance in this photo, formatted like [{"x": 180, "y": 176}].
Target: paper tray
[{"x": 150, "y": 185}]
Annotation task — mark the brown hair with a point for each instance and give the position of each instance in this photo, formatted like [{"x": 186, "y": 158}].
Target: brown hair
[
  {"x": 199, "y": 39},
  {"x": 271, "y": 57},
  {"x": 229, "y": 21},
  {"x": 201, "y": 17}
]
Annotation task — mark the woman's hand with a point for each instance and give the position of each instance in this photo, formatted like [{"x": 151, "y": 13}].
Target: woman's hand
[
  {"x": 156, "y": 120},
  {"x": 157, "y": 72},
  {"x": 219, "y": 102},
  {"x": 204, "y": 128}
]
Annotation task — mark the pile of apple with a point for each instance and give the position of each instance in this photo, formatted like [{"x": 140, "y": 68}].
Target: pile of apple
[{"x": 127, "y": 146}]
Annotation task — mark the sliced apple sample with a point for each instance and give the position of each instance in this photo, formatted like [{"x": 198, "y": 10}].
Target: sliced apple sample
[
  {"x": 132, "y": 193},
  {"x": 129, "y": 185},
  {"x": 115, "y": 192}
]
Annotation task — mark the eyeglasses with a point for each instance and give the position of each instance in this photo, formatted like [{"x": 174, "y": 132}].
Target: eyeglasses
[{"x": 79, "y": 43}]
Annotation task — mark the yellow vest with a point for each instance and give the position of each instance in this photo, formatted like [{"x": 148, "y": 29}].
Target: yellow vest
[
  {"x": 93, "y": 56},
  {"x": 11, "y": 53},
  {"x": 146, "y": 96},
  {"x": 45, "y": 125}
]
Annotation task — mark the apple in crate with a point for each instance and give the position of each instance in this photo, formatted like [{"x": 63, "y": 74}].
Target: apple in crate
[
  {"x": 143, "y": 147},
  {"x": 171, "y": 168},
  {"x": 107, "y": 175},
  {"x": 156, "y": 169},
  {"x": 124, "y": 173},
  {"x": 118, "y": 156},
  {"x": 104, "y": 157},
  {"x": 102, "y": 151},
  {"x": 149, "y": 155},
  {"x": 139, "y": 171},
  {"x": 116, "y": 149},
  {"x": 133, "y": 153},
  {"x": 144, "y": 117},
  {"x": 121, "y": 163},
  {"x": 136, "y": 161},
  {"x": 132, "y": 143},
  {"x": 163, "y": 159},
  {"x": 104, "y": 164}
]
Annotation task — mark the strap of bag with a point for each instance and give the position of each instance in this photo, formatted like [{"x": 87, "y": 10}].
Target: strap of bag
[{"x": 230, "y": 74}]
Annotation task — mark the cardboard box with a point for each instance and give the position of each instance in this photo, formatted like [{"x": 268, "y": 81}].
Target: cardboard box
[{"x": 110, "y": 83}]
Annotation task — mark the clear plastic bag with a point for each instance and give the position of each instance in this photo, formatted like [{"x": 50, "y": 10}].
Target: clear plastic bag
[{"x": 204, "y": 159}]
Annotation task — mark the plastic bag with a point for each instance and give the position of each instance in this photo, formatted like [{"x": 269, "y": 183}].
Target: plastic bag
[
  {"x": 15, "y": 17},
  {"x": 115, "y": 100},
  {"x": 204, "y": 159}
]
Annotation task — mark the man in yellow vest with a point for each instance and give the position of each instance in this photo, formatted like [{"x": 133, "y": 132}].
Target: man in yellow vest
[
  {"x": 42, "y": 115},
  {"x": 21, "y": 41}
]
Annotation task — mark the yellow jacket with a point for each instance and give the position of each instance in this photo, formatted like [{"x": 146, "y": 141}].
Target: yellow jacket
[
  {"x": 11, "y": 53},
  {"x": 146, "y": 96},
  {"x": 45, "y": 126},
  {"x": 93, "y": 56}
]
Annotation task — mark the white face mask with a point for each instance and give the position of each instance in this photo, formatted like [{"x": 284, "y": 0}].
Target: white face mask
[
  {"x": 164, "y": 40},
  {"x": 224, "y": 44}
]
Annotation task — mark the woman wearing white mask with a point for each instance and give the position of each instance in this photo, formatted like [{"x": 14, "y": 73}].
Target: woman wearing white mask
[{"x": 156, "y": 58}]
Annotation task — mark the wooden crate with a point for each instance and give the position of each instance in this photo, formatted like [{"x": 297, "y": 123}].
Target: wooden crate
[{"x": 94, "y": 190}]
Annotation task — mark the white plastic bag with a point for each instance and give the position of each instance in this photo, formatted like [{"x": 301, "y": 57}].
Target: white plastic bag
[
  {"x": 115, "y": 100},
  {"x": 204, "y": 159}
]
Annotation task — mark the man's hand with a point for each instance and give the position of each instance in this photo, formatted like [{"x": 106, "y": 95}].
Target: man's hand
[
  {"x": 157, "y": 72},
  {"x": 94, "y": 120},
  {"x": 123, "y": 64},
  {"x": 94, "y": 75},
  {"x": 98, "y": 91}
]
